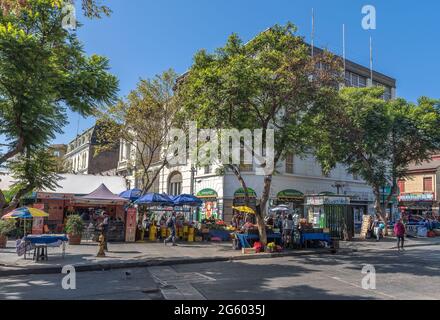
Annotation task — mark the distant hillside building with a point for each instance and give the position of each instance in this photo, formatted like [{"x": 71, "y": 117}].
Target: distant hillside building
[{"x": 81, "y": 158}]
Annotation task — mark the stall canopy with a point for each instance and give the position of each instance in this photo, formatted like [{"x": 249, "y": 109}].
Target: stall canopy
[
  {"x": 101, "y": 195},
  {"x": 155, "y": 199},
  {"x": 132, "y": 195},
  {"x": 187, "y": 200}
]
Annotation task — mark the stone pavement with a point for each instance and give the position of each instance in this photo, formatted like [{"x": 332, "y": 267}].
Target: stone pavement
[{"x": 132, "y": 255}]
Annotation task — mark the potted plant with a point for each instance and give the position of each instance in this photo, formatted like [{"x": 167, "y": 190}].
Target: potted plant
[
  {"x": 74, "y": 229},
  {"x": 6, "y": 227}
]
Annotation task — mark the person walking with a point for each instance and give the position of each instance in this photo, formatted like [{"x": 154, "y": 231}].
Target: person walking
[
  {"x": 287, "y": 230},
  {"x": 399, "y": 232},
  {"x": 171, "y": 224},
  {"x": 104, "y": 228}
]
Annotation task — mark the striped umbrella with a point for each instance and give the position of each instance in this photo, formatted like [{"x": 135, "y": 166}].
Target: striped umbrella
[{"x": 25, "y": 213}]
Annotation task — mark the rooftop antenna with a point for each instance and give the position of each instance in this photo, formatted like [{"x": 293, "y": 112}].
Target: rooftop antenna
[
  {"x": 371, "y": 60},
  {"x": 344, "y": 57},
  {"x": 313, "y": 32}
]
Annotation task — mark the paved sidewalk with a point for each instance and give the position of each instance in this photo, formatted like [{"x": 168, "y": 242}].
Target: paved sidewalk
[
  {"x": 128, "y": 255},
  {"x": 132, "y": 255}
]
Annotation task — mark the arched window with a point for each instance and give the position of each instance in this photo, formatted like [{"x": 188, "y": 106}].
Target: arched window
[{"x": 175, "y": 184}]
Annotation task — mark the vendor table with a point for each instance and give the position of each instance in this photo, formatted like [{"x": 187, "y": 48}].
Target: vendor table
[
  {"x": 315, "y": 236},
  {"x": 244, "y": 239},
  {"x": 41, "y": 242}
]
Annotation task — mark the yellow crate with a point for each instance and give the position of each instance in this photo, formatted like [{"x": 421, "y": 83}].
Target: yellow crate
[
  {"x": 163, "y": 232},
  {"x": 190, "y": 238},
  {"x": 153, "y": 231}
]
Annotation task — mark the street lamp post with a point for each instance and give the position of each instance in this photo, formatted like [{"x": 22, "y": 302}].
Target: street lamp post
[{"x": 193, "y": 174}]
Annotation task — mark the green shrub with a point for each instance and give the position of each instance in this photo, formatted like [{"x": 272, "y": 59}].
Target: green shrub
[
  {"x": 6, "y": 227},
  {"x": 74, "y": 225}
]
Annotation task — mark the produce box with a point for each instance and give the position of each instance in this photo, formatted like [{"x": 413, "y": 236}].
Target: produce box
[{"x": 248, "y": 250}]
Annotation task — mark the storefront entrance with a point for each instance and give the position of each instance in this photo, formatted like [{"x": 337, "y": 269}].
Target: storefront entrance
[
  {"x": 210, "y": 208},
  {"x": 294, "y": 199}
]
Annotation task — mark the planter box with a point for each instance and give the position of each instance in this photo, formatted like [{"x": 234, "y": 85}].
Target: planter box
[{"x": 74, "y": 240}]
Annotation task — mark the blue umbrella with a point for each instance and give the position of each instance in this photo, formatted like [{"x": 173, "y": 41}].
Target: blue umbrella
[
  {"x": 187, "y": 200},
  {"x": 155, "y": 198},
  {"x": 132, "y": 195}
]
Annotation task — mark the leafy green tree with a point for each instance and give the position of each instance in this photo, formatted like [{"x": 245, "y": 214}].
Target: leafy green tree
[
  {"x": 34, "y": 170},
  {"x": 377, "y": 139},
  {"x": 44, "y": 71},
  {"x": 91, "y": 8},
  {"x": 271, "y": 82},
  {"x": 143, "y": 122}
]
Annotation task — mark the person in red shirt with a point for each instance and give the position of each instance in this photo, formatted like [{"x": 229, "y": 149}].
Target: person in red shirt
[{"x": 399, "y": 232}]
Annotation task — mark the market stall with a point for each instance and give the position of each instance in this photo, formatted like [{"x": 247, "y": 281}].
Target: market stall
[
  {"x": 329, "y": 214},
  {"x": 92, "y": 205},
  {"x": 293, "y": 199},
  {"x": 247, "y": 236}
]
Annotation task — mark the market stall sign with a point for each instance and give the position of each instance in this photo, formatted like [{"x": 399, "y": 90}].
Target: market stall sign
[
  {"x": 416, "y": 197},
  {"x": 207, "y": 193},
  {"x": 326, "y": 200},
  {"x": 290, "y": 194},
  {"x": 240, "y": 193}
]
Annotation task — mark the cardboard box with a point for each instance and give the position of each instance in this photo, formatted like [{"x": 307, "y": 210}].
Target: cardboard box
[{"x": 248, "y": 250}]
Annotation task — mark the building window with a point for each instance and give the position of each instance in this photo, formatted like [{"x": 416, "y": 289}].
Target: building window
[
  {"x": 355, "y": 80},
  {"x": 401, "y": 185},
  {"x": 289, "y": 163},
  {"x": 175, "y": 184},
  {"x": 208, "y": 169},
  {"x": 427, "y": 184},
  {"x": 355, "y": 176}
]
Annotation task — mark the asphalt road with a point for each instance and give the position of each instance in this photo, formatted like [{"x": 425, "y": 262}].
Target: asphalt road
[{"x": 414, "y": 274}]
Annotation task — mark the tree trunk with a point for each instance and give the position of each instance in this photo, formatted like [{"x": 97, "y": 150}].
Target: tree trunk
[
  {"x": 262, "y": 212},
  {"x": 243, "y": 184},
  {"x": 378, "y": 208},
  {"x": 2, "y": 202}
]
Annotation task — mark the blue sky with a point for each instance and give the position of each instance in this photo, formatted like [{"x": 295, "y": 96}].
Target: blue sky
[{"x": 144, "y": 37}]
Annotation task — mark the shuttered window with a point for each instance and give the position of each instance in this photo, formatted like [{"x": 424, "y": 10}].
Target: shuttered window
[
  {"x": 427, "y": 184},
  {"x": 402, "y": 186}
]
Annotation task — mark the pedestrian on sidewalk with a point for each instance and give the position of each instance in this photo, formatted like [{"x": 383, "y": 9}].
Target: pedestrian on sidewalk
[
  {"x": 104, "y": 229},
  {"x": 399, "y": 231},
  {"x": 287, "y": 231},
  {"x": 171, "y": 225}
]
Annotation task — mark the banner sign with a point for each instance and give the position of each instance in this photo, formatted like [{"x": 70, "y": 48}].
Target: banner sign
[
  {"x": 38, "y": 225},
  {"x": 320, "y": 201},
  {"x": 130, "y": 231},
  {"x": 416, "y": 197}
]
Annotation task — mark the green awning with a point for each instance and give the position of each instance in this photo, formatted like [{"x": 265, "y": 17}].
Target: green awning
[
  {"x": 240, "y": 193},
  {"x": 207, "y": 193}
]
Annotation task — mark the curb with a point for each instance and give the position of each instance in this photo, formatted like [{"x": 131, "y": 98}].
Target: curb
[{"x": 157, "y": 263}]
